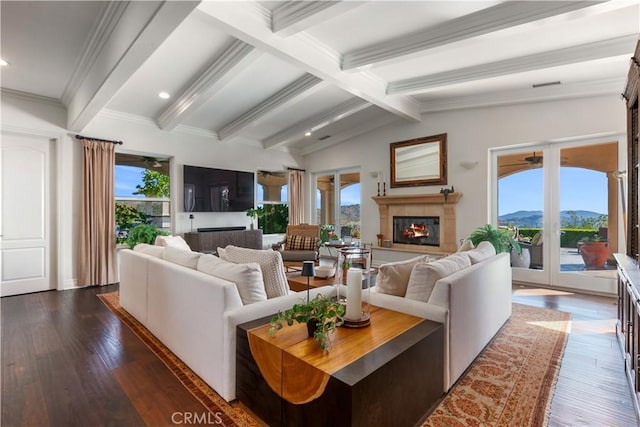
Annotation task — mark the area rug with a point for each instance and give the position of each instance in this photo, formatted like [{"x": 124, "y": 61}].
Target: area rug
[{"x": 510, "y": 383}]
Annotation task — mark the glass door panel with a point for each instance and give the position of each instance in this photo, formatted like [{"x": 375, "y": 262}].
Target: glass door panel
[{"x": 349, "y": 206}]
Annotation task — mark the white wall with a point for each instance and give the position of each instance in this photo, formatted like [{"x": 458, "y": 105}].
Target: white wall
[
  {"x": 471, "y": 133},
  {"x": 31, "y": 116}
]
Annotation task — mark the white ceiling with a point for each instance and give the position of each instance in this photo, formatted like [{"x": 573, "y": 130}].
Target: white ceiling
[{"x": 265, "y": 73}]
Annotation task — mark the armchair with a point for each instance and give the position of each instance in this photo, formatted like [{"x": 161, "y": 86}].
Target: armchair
[{"x": 302, "y": 243}]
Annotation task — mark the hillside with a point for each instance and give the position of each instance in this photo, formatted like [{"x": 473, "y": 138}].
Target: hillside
[{"x": 533, "y": 219}]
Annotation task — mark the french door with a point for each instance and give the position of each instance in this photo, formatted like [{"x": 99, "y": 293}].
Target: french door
[{"x": 557, "y": 197}]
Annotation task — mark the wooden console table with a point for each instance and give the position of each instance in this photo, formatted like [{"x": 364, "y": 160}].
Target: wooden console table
[{"x": 389, "y": 373}]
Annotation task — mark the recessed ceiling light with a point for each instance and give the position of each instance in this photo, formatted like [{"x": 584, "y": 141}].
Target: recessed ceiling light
[
  {"x": 164, "y": 95},
  {"x": 307, "y": 134},
  {"x": 3, "y": 62}
]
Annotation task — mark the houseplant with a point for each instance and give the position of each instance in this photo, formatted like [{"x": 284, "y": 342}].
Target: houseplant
[
  {"x": 321, "y": 314},
  {"x": 500, "y": 238},
  {"x": 144, "y": 233},
  {"x": 594, "y": 251}
]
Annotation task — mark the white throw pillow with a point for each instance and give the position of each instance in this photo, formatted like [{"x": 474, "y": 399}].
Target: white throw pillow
[
  {"x": 152, "y": 250},
  {"x": 222, "y": 254},
  {"x": 425, "y": 275},
  {"x": 247, "y": 277},
  {"x": 180, "y": 256},
  {"x": 172, "y": 242},
  {"x": 393, "y": 277},
  {"x": 483, "y": 251},
  {"x": 467, "y": 245},
  {"x": 275, "y": 281}
]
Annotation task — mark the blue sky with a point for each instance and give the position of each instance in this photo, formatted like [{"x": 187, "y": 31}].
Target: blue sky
[
  {"x": 580, "y": 189},
  {"x": 127, "y": 177}
]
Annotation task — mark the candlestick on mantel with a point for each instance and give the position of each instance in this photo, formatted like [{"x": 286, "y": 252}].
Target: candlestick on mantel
[{"x": 354, "y": 294}]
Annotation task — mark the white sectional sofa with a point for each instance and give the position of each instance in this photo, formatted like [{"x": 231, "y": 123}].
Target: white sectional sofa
[
  {"x": 193, "y": 313},
  {"x": 473, "y": 303}
]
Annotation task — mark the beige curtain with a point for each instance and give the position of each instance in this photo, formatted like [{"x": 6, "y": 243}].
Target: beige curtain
[
  {"x": 97, "y": 248},
  {"x": 296, "y": 196}
]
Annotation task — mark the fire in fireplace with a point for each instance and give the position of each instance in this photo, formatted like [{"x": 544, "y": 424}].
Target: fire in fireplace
[{"x": 416, "y": 230}]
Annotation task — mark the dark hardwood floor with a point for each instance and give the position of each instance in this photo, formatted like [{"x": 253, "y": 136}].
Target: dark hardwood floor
[{"x": 68, "y": 361}]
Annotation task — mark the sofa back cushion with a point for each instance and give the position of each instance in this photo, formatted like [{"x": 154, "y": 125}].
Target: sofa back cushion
[
  {"x": 172, "y": 241},
  {"x": 247, "y": 277},
  {"x": 148, "y": 249},
  {"x": 393, "y": 277},
  {"x": 483, "y": 251},
  {"x": 275, "y": 281},
  {"x": 180, "y": 256},
  {"x": 425, "y": 275}
]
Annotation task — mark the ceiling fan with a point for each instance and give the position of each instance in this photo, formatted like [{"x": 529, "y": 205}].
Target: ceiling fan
[{"x": 534, "y": 160}]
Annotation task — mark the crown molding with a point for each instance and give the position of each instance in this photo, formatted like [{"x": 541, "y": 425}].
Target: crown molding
[
  {"x": 586, "y": 52},
  {"x": 296, "y": 16},
  {"x": 109, "y": 19},
  {"x": 316, "y": 123},
  {"x": 31, "y": 97},
  {"x": 269, "y": 106},
  {"x": 219, "y": 73},
  {"x": 530, "y": 95},
  {"x": 498, "y": 17}
]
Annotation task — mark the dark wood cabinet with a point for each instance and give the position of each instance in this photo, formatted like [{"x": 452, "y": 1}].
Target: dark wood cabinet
[
  {"x": 628, "y": 325},
  {"x": 633, "y": 159}
]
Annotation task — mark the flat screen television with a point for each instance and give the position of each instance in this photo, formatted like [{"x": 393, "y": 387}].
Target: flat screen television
[{"x": 217, "y": 190}]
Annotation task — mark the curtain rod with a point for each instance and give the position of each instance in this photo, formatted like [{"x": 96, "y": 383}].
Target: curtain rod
[
  {"x": 99, "y": 140},
  {"x": 295, "y": 169}
]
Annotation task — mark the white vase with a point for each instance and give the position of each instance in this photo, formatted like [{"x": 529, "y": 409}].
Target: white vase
[{"x": 522, "y": 260}]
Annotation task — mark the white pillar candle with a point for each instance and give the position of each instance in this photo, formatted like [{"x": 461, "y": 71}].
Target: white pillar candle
[{"x": 354, "y": 294}]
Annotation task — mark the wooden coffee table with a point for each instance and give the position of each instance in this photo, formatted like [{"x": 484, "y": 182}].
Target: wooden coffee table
[
  {"x": 389, "y": 373},
  {"x": 298, "y": 283}
]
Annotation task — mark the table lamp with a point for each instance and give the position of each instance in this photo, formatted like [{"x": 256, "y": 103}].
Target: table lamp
[{"x": 308, "y": 270}]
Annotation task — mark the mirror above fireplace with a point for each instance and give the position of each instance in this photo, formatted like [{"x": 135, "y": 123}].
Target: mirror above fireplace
[{"x": 421, "y": 161}]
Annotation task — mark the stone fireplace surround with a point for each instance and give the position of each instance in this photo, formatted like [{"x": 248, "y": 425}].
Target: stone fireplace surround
[{"x": 420, "y": 205}]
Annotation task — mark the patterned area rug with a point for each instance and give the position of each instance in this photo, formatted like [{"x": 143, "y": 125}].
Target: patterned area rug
[{"x": 509, "y": 384}]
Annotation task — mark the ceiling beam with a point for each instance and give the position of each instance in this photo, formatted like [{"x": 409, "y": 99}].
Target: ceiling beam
[
  {"x": 529, "y": 95},
  {"x": 130, "y": 32},
  {"x": 586, "y": 52},
  {"x": 219, "y": 73},
  {"x": 250, "y": 21},
  {"x": 498, "y": 17},
  {"x": 295, "y": 16},
  {"x": 314, "y": 124},
  {"x": 269, "y": 106}
]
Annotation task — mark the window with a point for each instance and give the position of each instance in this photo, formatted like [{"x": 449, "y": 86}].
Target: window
[
  {"x": 338, "y": 204},
  {"x": 141, "y": 193},
  {"x": 272, "y": 209}
]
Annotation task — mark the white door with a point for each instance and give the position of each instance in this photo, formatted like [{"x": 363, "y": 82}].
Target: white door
[
  {"x": 26, "y": 180},
  {"x": 559, "y": 190}
]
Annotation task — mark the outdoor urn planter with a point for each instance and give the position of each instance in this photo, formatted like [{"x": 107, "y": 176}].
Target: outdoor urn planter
[{"x": 594, "y": 254}]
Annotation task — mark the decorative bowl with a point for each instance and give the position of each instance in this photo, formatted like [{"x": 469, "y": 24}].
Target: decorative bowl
[{"x": 325, "y": 271}]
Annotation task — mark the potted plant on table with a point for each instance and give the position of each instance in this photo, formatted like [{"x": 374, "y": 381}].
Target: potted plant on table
[{"x": 321, "y": 314}]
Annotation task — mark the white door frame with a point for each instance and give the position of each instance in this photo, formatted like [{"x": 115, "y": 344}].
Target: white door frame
[
  {"x": 56, "y": 207},
  {"x": 551, "y": 274}
]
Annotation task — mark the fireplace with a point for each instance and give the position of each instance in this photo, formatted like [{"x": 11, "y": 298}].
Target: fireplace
[{"x": 416, "y": 230}]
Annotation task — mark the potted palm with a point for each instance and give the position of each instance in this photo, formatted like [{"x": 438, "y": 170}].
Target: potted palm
[
  {"x": 321, "y": 314},
  {"x": 501, "y": 238}
]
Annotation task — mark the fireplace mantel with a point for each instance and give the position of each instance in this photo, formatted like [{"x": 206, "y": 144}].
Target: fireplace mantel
[{"x": 421, "y": 205}]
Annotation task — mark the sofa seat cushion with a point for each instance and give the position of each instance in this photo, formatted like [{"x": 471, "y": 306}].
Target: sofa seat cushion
[
  {"x": 393, "y": 277},
  {"x": 483, "y": 251},
  {"x": 273, "y": 275},
  {"x": 148, "y": 249},
  {"x": 425, "y": 275},
  {"x": 172, "y": 241},
  {"x": 181, "y": 257},
  {"x": 247, "y": 277}
]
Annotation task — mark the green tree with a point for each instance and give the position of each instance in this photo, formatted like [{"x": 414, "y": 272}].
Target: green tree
[{"x": 154, "y": 184}]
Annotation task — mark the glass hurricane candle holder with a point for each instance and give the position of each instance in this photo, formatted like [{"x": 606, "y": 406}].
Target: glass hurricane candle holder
[{"x": 355, "y": 272}]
